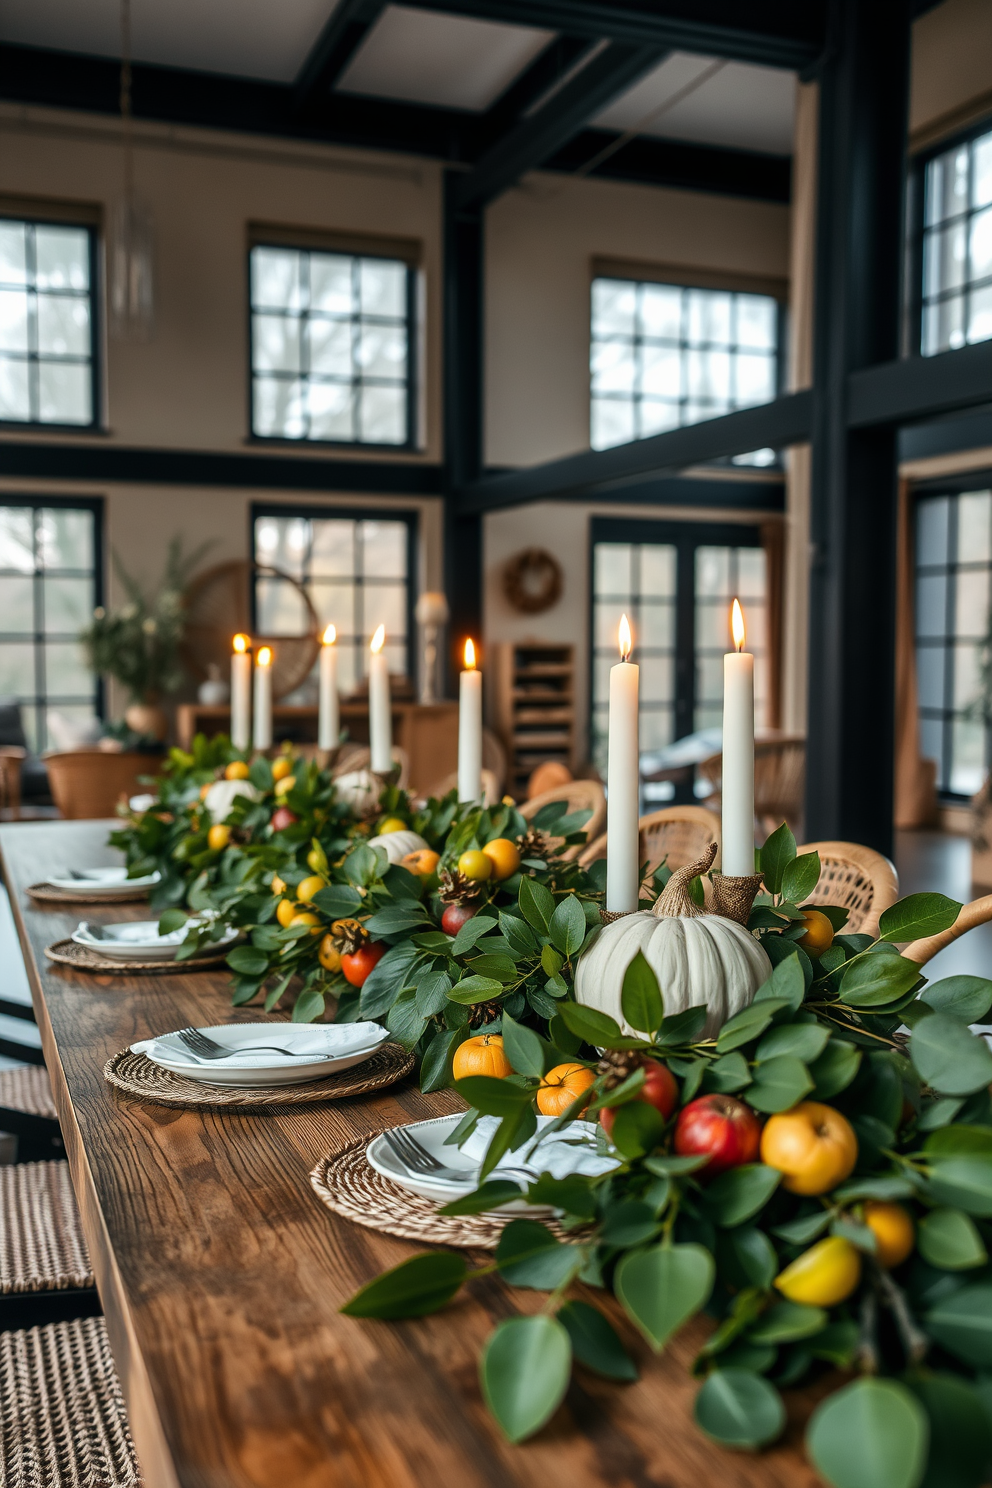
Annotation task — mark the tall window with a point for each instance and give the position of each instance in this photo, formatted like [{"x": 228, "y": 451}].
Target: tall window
[
  {"x": 47, "y": 356},
  {"x": 953, "y": 562},
  {"x": 357, "y": 571},
  {"x": 331, "y": 347},
  {"x": 49, "y": 587},
  {"x": 676, "y": 582},
  {"x": 663, "y": 355},
  {"x": 957, "y": 247}
]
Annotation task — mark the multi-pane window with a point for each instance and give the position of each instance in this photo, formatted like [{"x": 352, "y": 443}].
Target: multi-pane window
[
  {"x": 639, "y": 580},
  {"x": 724, "y": 574},
  {"x": 664, "y": 355},
  {"x": 357, "y": 572},
  {"x": 957, "y": 247},
  {"x": 953, "y": 562},
  {"x": 331, "y": 346},
  {"x": 49, "y": 587},
  {"x": 47, "y": 359}
]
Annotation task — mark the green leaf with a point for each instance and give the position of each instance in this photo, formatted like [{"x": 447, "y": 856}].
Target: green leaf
[
  {"x": 937, "y": 1113},
  {"x": 740, "y": 1409},
  {"x": 786, "y": 981},
  {"x": 727, "y": 1074},
  {"x": 801, "y": 877},
  {"x": 529, "y": 1255},
  {"x": 960, "y": 1435},
  {"x": 779, "y": 1084},
  {"x": 738, "y": 1193},
  {"x": 472, "y": 930},
  {"x": 595, "y": 1342},
  {"x": 537, "y": 904},
  {"x": 967, "y": 998},
  {"x": 876, "y": 1186},
  {"x": 516, "y": 1127},
  {"x": 573, "y": 1194},
  {"x": 519, "y": 935},
  {"x": 248, "y": 961},
  {"x": 628, "y": 1223},
  {"x": 777, "y": 853},
  {"x": 361, "y": 866},
  {"x": 871, "y": 1434},
  {"x": 640, "y": 999},
  {"x": 835, "y": 1068},
  {"x": 948, "y": 1057},
  {"x": 661, "y": 1288},
  {"x": 524, "y": 1372},
  {"x": 804, "y": 1229},
  {"x": 523, "y": 1048},
  {"x": 308, "y": 1006},
  {"x": 491, "y": 1195},
  {"x": 805, "y": 1041},
  {"x": 918, "y": 915},
  {"x": 567, "y": 926},
  {"x": 473, "y": 989},
  {"x": 670, "y": 1167},
  {"x": 948, "y": 1239},
  {"x": 784, "y": 1322},
  {"x": 432, "y": 994},
  {"x": 386, "y": 978},
  {"x": 963, "y": 1182},
  {"x": 339, "y": 902},
  {"x": 491, "y": 1096},
  {"x": 413, "y": 1289},
  {"x": 958, "y": 1140},
  {"x": 962, "y": 1323},
  {"x": 681, "y": 1028},
  {"x": 404, "y": 1021},
  {"x": 170, "y": 920},
  {"x": 748, "y": 1024},
  {"x": 551, "y": 960},
  {"x": 435, "y": 1071},
  {"x": 637, "y": 1128},
  {"x": 874, "y": 980},
  {"x": 753, "y": 1254},
  {"x": 397, "y": 919},
  {"x": 594, "y": 1027}
]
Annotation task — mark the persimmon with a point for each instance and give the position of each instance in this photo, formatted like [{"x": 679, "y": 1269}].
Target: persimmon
[
  {"x": 237, "y": 770},
  {"x": 819, "y": 935},
  {"x": 481, "y": 1056},
  {"x": 561, "y": 1086},
  {"x": 813, "y": 1145},
  {"x": 894, "y": 1231},
  {"x": 329, "y": 956},
  {"x": 422, "y": 861}
]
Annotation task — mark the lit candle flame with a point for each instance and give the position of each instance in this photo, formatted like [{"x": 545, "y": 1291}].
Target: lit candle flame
[
  {"x": 378, "y": 640},
  {"x": 241, "y": 643},
  {"x": 625, "y": 641},
  {"x": 330, "y": 636},
  {"x": 737, "y": 625},
  {"x": 470, "y": 655},
  {"x": 264, "y": 657}
]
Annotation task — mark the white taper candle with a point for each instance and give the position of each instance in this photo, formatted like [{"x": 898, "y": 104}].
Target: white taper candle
[
  {"x": 380, "y": 707},
  {"x": 262, "y": 732},
  {"x": 470, "y": 729},
  {"x": 240, "y": 693},
  {"x": 328, "y": 715},
  {"x": 738, "y": 755},
  {"x": 623, "y": 783}
]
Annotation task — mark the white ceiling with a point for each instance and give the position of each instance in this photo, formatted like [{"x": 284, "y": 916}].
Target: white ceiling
[{"x": 415, "y": 55}]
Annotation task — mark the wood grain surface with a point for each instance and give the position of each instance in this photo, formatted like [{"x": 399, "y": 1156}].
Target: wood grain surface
[{"x": 221, "y": 1275}]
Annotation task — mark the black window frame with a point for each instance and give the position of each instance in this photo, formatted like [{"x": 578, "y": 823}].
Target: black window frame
[
  {"x": 310, "y": 512},
  {"x": 96, "y": 425},
  {"x": 42, "y": 501},
  {"x": 411, "y": 443}
]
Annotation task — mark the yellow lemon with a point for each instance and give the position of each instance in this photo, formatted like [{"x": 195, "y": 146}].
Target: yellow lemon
[
  {"x": 317, "y": 859},
  {"x": 310, "y": 886},
  {"x": 236, "y": 770},
  {"x": 281, "y": 767},
  {"x": 284, "y": 785},
  {"x": 823, "y": 1275},
  {"x": 285, "y": 912},
  {"x": 894, "y": 1231},
  {"x": 218, "y": 837},
  {"x": 278, "y": 887},
  {"x": 307, "y": 919},
  {"x": 475, "y": 865},
  {"x": 392, "y": 824}
]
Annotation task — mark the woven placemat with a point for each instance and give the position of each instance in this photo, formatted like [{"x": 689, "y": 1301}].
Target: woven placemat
[
  {"x": 71, "y": 953},
  {"x": 46, "y": 893},
  {"x": 136, "y": 1075},
  {"x": 347, "y": 1183}
]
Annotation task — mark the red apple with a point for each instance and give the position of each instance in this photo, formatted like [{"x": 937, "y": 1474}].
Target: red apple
[
  {"x": 455, "y": 916},
  {"x": 282, "y": 818},
  {"x": 659, "y": 1090},
  {"x": 721, "y": 1128}
]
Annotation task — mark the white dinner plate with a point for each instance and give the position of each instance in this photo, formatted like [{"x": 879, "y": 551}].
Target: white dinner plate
[
  {"x": 432, "y": 1134},
  {"x": 139, "y": 940},
  {"x": 333, "y": 1049},
  {"x": 94, "y": 881}
]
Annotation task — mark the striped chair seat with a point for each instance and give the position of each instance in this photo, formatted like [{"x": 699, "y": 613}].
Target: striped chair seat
[{"x": 28, "y": 1089}]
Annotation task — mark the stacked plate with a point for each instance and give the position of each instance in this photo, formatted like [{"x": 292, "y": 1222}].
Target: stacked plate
[
  {"x": 139, "y": 940},
  {"x": 93, "y": 882},
  {"x": 312, "y": 1051}
]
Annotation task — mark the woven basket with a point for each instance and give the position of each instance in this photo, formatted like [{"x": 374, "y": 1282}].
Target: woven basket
[
  {"x": 71, "y": 953},
  {"x": 42, "y": 1247}
]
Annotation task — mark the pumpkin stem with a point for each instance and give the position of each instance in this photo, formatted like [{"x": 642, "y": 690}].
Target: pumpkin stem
[{"x": 675, "y": 902}]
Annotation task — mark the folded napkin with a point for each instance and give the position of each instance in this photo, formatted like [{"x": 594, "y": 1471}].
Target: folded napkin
[
  {"x": 558, "y": 1154},
  {"x": 328, "y": 1041}
]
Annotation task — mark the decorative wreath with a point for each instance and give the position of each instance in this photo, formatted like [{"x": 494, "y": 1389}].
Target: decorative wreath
[{"x": 532, "y": 581}]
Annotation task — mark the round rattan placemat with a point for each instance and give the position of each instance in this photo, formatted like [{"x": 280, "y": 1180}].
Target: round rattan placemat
[
  {"x": 71, "y": 953},
  {"x": 347, "y": 1183},
  {"x": 136, "y": 1075},
  {"x": 46, "y": 893}
]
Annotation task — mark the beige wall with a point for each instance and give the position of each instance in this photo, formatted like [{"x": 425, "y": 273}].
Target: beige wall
[{"x": 952, "y": 66}]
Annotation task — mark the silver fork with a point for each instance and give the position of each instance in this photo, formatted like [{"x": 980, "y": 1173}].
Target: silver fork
[
  {"x": 207, "y": 1048},
  {"x": 417, "y": 1158}
]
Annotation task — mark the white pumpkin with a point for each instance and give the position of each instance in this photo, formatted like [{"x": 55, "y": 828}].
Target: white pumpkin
[
  {"x": 222, "y": 795},
  {"x": 396, "y": 845},
  {"x": 700, "y": 960},
  {"x": 360, "y": 790}
]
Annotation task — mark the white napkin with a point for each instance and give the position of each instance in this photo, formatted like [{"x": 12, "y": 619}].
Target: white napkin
[
  {"x": 557, "y": 1154},
  {"x": 327, "y": 1040}
]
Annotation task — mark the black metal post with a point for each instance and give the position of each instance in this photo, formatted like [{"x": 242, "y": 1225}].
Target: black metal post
[
  {"x": 463, "y": 423},
  {"x": 864, "y": 87}
]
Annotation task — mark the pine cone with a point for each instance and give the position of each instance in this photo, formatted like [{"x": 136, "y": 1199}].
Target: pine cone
[
  {"x": 618, "y": 1065},
  {"x": 456, "y": 888},
  {"x": 535, "y": 844},
  {"x": 348, "y": 935},
  {"x": 484, "y": 1012}
]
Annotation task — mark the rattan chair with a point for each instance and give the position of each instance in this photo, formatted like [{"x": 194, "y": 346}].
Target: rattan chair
[
  {"x": 45, "y": 1270},
  {"x": 490, "y": 788},
  {"x": 27, "y": 1111},
  {"x": 578, "y": 795},
  {"x": 779, "y": 780},
  {"x": 676, "y": 834},
  {"x": 857, "y": 879},
  {"x": 63, "y": 1421}
]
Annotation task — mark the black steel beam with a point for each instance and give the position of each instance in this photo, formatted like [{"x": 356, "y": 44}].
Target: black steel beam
[
  {"x": 777, "y": 33},
  {"x": 349, "y": 24},
  {"x": 864, "y": 94},
  {"x": 947, "y": 436},
  {"x": 547, "y": 70},
  {"x": 606, "y": 74},
  {"x": 735, "y": 493},
  {"x": 783, "y": 422},
  {"x": 680, "y": 164},
  {"x": 918, "y": 387}
]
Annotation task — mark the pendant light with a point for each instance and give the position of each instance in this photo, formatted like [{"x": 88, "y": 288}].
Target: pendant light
[{"x": 130, "y": 268}]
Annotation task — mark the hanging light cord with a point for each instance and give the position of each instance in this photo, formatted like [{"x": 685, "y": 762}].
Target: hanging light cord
[{"x": 126, "y": 115}]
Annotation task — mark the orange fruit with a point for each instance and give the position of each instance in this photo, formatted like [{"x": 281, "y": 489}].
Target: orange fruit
[
  {"x": 819, "y": 932},
  {"x": 306, "y": 918},
  {"x": 561, "y": 1086},
  {"x": 281, "y": 767},
  {"x": 823, "y": 1275},
  {"x": 310, "y": 886},
  {"x": 218, "y": 837},
  {"x": 285, "y": 912},
  {"x": 813, "y": 1145},
  {"x": 475, "y": 865},
  {"x": 481, "y": 1056},
  {"x": 894, "y": 1231},
  {"x": 204, "y": 789},
  {"x": 237, "y": 770},
  {"x": 422, "y": 861},
  {"x": 504, "y": 856},
  {"x": 328, "y": 955}
]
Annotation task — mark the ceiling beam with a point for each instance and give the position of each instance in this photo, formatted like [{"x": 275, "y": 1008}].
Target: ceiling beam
[
  {"x": 528, "y": 88},
  {"x": 529, "y": 143},
  {"x": 349, "y": 24},
  {"x": 919, "y": 387},
  {"x": 680, "y": 164}
]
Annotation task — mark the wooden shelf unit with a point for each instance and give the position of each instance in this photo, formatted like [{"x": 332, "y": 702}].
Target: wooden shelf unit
[{"x": 535, "y": 706}]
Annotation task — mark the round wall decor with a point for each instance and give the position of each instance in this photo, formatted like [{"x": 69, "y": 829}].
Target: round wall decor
[{"x": 532, "y": 581}]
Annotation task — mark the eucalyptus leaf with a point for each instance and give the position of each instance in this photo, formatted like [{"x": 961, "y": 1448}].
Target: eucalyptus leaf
[
  {"x": 595, "y": 1342},
  {"x": 778, "y": 852},
  {"x": 472, "y": 930},
  {"x": 661, "y": 1288},
  {"x": 727, "y": 1074},
  {"x": 948, "y": 1239},
  {"x": 779, "y": 1084},
  {"x": 948, "y": 1057},
  {"x": 637, "y": 1128},
  {"x": 786, "y": 982},
  {"x": 472, "y": 989},
  {"x": 594, "y": 1027},
  {"x": 491, "y": 1096},
  {"x": 435, "y": 1070},
  {"x": 835, "y": 1069},
  {"x": 567, "y": 926},
  {"x": 962, "y": 1182},
  {"x": 967, "y": 998},
  {"x": 801, "y": 877},
  {"x": 805, "y": 1041},
  {"x": 962, "y": 1323},
  {"x": 804, "y": 1228},
  {"x": 631, "y": 1222},
  {"x": 415, "y": 1288},
  {"x": 528, "y": 1255},
  {"x": 524, "y": 1372},
  {"x": 960, "y": 1434},
  {"x": 784, "y": 1322},
  {"x": 739, "y": 1409},
  {"x": 537, "y": 904},
  {"x": 918, "y": 915},
  {"x": 871, "y": 1434},
  {"x": 737, "y": 1194},
  {"x": 523, "y": 1048},
  {"x": 432, "y": 993},
  {"x": 640, "y": 998},
  {"x": 308, "y": 1006},
  {"x": 748, "y": 1024},
  {"x": 871, "y": 981},
  {"x": 681, "y": 1028}
]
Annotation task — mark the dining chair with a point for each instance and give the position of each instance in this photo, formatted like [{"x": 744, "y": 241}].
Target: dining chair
[
  {"x": 27, "y": 1112},
  {"x": 64, "y": 1422},
  {"x": 857, "y": 879},
  {"x": 676, "y": 835},
  {"x": 779, "y": 779},
  {"x": 578, "y": 795},
  {"x": 45, "y": 1270},
  {"x": 491, "y": 791},
  {"x": 12, "y": 758},
  {"x": 354, "y": 757}
]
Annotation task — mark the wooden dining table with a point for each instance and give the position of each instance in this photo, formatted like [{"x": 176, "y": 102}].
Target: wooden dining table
[{"x": 221, "y": 1274}]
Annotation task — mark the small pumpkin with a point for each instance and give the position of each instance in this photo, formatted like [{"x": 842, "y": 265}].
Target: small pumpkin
[
  {"x": 700, "y": 959},
  {"x": 360, "y": 790},
  {"x": 221, "y": 796},
  {"x": 396, "y": 845},
  {"x": 561, "y": 1086},
  {"x": 481, "y": 1056}
]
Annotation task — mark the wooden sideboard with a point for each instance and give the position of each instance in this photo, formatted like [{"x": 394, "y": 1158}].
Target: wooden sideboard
[{"x": 427, "y": 732}]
